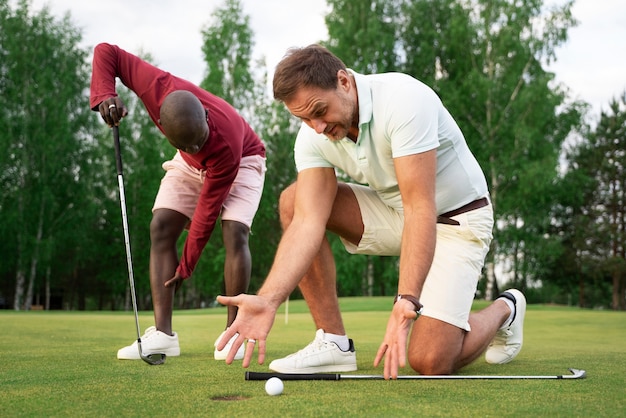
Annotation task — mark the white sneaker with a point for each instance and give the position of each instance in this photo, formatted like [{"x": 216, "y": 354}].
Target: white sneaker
[
  {"x": 221, "y": 355},
  {"x": 507, "y": 343},
  {"x": 153, "y": 341},
  {"x": 320, "y": 356}
]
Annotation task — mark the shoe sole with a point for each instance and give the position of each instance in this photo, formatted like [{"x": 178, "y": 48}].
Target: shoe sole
[
  {"x": 318, "y": 369},
  {"x": 170, "y": 352}
]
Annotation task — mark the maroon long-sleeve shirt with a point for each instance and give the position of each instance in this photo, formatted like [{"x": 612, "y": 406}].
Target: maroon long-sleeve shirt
[{"x": 230, "y": 136}]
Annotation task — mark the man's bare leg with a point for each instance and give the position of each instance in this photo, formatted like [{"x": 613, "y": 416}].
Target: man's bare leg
[
  {"x": 165, "y": 229},
  {"x": 319, "y": 285},
  {"x": 319, "y": 288},
  {"x": 238, "y": 262},
  {"x": 436, "y": 347}
]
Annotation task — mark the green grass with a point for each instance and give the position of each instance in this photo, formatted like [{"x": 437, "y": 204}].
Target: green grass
[{"x": 62, "y": 364}]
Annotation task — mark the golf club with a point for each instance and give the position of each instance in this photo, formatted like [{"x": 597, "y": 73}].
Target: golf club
[
  {"x": 576, "y": 374},
  {"x": 152, "y": 358}
]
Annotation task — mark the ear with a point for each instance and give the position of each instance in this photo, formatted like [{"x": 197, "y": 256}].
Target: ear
[{"x": 343, "y": 80}]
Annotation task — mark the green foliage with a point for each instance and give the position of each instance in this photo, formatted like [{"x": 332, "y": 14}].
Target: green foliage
[
  {"x": 594, "y": 216},
  {"x": 44, "y": 137},
  {"x": 363, "y": 33},
  {"x": 557, "y": 184},
  {"x": 227, "y": 49}
]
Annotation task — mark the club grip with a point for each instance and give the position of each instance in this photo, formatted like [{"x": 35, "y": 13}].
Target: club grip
[{"x": 292, "y": 376}]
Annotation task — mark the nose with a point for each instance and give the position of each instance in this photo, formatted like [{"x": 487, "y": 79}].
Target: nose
[{"x": 319, "y": 125}]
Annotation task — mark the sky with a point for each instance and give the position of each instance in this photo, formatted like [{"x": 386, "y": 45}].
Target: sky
[{"x": 592, "y": 63}]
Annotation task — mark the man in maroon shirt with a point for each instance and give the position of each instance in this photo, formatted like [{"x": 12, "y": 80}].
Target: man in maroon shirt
[{"x": 219, "y": 170}]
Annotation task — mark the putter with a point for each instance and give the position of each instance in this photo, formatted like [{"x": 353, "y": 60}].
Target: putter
[
  {"x": 576, "y": 374},
  {"x": 152, "y": 358}
]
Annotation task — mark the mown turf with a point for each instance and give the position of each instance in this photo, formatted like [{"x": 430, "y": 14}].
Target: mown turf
[{"x": 62, "y": 364}]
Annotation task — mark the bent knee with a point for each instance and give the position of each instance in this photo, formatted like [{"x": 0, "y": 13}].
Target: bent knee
[
  {"x": 166, "y": 225},
  {"x": 432, "y": 363},
  {"x": 235, "y": 234},
  {"x": 286, "y": 204}
]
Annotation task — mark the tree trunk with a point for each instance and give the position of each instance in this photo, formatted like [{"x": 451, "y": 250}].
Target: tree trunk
[
  {"x": 616, "y": 301},
  {"x": 581, "y": 292},
  {"x": 28, "y": 301},
  {"x": 47, "y": 289},
  {"x": 20, "y": 280}
]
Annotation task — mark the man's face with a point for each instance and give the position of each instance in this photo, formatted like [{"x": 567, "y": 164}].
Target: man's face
[{"x": 329, "y": 112}]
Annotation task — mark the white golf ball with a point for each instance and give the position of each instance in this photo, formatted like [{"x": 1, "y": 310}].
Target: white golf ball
[{"x": 274, "y": 386}]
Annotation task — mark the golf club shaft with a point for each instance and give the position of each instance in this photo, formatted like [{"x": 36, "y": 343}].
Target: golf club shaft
[
  {"x": 153, "y": 358},
  {"x": 338, "y": 376},
  {"x": 120, "y": 181}
]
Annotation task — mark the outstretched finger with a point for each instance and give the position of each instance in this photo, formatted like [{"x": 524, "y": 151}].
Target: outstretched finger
[
  {"x": 380, "y": 354},
  {"x": 261, "y": 356},
  {"x": 235, "y": 347},
  {"x": 226, "y": 336},
  {"x": 174, "y": 281},
  {"x": 247, "y": 358}
]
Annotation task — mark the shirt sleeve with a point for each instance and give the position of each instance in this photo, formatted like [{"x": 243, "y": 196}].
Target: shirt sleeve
[
  {"x": 413, "y": 120},
  {"x": 148, "y": 82},
  {"x": 307, "y": 149},
  {"x": 217, "y": 184}
]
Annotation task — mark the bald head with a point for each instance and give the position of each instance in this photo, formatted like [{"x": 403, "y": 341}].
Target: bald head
[{"x": 184, "y": 121}]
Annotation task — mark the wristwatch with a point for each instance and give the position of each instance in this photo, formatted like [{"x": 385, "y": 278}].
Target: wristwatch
[{"x": 413, "y": 300}]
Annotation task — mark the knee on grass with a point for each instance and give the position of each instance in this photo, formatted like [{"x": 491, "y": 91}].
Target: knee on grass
[{"x": 431, "y": 364}]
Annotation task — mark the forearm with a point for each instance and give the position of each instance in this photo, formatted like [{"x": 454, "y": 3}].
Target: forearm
[{"x": 417, "y": 252}]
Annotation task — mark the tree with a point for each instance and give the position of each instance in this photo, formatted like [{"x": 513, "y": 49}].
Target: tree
[
  {"x": 363, "y": 34},
  {"x": 43, "y": 114},
  {"x": 227, "y": 49},
  {"x": 610, "y": 140},
  {"x": 597, "y": 223}
]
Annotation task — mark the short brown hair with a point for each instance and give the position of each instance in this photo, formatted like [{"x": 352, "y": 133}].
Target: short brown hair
[{"x": 311, "y": 66}]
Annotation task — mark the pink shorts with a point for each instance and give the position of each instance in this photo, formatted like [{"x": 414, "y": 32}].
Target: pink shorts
[{"x": 180, "y": 189}]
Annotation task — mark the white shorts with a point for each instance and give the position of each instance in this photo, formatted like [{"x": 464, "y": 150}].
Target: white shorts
[
  {"x": 450, "y": 286},
  {"x": 180, "y": 189}
]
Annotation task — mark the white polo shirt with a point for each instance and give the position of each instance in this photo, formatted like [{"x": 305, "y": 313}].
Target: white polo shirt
[{"x": 398, "y": 116}]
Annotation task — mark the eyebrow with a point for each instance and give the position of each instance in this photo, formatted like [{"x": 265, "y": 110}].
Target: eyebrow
[
  {"x": 318, "y": 107},
  {"x": 312, "y": 111}
]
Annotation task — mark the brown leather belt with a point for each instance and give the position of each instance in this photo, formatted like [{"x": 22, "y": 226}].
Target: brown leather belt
[{"x": 444, "y": 218}]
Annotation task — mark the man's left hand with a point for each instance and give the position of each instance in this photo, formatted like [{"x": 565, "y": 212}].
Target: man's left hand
[{"x": 394, "y": 343}]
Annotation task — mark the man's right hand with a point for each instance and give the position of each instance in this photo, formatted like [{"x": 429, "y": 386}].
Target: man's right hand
[
  {"x": 112, "y": 111},
  {"x": 255, "y": 318}
]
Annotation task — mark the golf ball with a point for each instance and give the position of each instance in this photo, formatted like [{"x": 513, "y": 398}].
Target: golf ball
[{"x": 274, "y": 386}]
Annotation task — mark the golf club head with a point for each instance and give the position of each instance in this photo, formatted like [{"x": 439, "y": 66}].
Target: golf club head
[
  {"x": 154, "y": 359},
  {"x": 576, "y": 374}
]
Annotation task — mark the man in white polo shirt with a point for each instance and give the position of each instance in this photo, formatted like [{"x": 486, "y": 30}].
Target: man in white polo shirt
[{"x": 417, "y": 192}]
